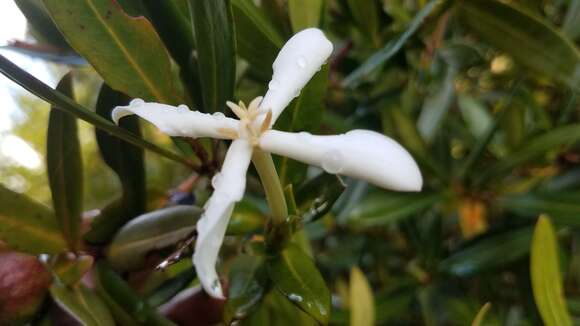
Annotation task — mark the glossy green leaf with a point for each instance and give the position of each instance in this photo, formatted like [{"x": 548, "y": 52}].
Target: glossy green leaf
[
  {"x": 275, "y": 309},
  {"x": 571, "y": 25},
  {"x": 65, "y": 168},
  {"x": 258, "y": 41},
  {"x": 305, "y": 13},
  {"x": 125, "y": 159},
  {"x": 294, "y": 274},
  {"x": 154, "y": 230},
  {"x": 82, "y": 304},
  {"x": 247, "y": 287},
  {"x": 113, "y": 42},
  {"x": 384, "y": 208},
  {"x": 546, "y": 276},
  {"x": 391, "y": 48},
  {"x": 40, "y": 23},
  {"x": 537, "y": 146},
  {"x": 529, "y": 39},
  {"x": 489, "y": 253},
  {"x": 64, "y": 103},
  {"x": 362, "y": 303},
  {"x": 366, "y": 15},
  {"x": 213, "y": 28},
  {"x": 127, "y": 307},
  {"x": 28, "y": 226},
  {"x": 436, "y": 106},
  {"x": 316, "y": 197},
  {"x": 563, "y": 206}
]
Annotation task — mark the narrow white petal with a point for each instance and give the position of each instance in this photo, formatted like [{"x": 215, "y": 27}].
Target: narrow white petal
[
  {"x": 299, "y": 59},
  {"x": 361, "y": 154},
  {"x": 178, "y": 121},
  {"x": 229, "y": 186}
]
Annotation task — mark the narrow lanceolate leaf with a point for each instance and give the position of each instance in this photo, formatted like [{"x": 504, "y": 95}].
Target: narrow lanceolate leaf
[
  {"x": 305, "y": 13},
  {"x": 66, "y": 104},
  {"x": 213, "y": 30},
  {"x": 125, "y": 159},
  {"x": 82, "y": 304},
  {"x": 294, "y": 274},
  {"x": 40, "y": 23},
  {"x": 253, "y": 27},
  {"x": 436, "y": 107},
  {"x": 362, "y": 304},
  {"x": 366, "y": 15},
  {"x": 154, "y": 230},
  {"x": 65, "y": 168},
  {"x": 28, "y": 226},
  {"x": 562, "y": 206},
  {"x": 125, "y": 50},
  {"x": 391, "y": 48},
  {"x": 529, "y": 39},
  {"x": 546, "y": 276},
  {"x": 478, "y": 320}
]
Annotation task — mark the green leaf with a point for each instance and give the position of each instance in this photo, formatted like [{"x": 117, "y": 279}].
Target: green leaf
[
  {"x": 82, "y": 304},
  {"x": 125, "y": 159},
  {"x": 305, "y": 13},
  {"x": 553, "y": 139},
  {"x": 362, "y": 303},
  {"x": 478, "y": 320},
  {"x": 65, "y": 169},
  {"x": 247, "y": 287},
  {"x": 28, "y": 226},
  {"x": 127, "y": 307},
  {"x": 385, "y": 208},
  {"x": 171, "y": 287},
  {"x": 246, "y": 218},
  {"x": 214, "y": 31},
  {"x": 113, "y": 42},
  {"x": 546, "y": 276},
  {"x": 70, "y": 270},
  {"x": 40, "y": 23},
  {"x": 366, "y": 14},
  {"x": 63, "y": 102},
  {"x": 489, "y": 253},
  {"x": 154, "y": 230},
  {"x": 436, "y": 106},
  {"x": 529, "y": 39},
  {"x": 563, "y": 207},
  {"x": 475, "y": 115},
  {"x": 296, "y": 277},
  {"x": 391, "y": 48},
  {"x": 258, "y": 41},
  {"x": 316, "y": 197},
  {"x": 571, "y": 25}
]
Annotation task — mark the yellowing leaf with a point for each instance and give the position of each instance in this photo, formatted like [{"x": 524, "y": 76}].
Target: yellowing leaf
[{"x": 362, "y": 305}]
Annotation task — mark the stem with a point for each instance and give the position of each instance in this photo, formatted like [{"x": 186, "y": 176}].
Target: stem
[{"x": 272, "y": 187}]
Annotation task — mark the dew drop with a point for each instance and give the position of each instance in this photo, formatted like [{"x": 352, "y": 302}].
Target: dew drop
[
  {"x": 273, "y": 85},
  {"x": 218, "y": 115},
  {"x": 332, "y": 162},
  {"x": 136, "y": 102},
  {"x": 182, "y": 108},
  {"x": 295, "y": 297},
  {"x": 215, "y": 180},
  {"x": 301, "y": 62},
  {"x": 297, "y": 93}
]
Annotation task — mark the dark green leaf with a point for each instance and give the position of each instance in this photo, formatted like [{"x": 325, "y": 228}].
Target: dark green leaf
[
  {"x": 529, "y": 39},
  {"x": 563, "y": 207},
  {"x": 436, "y": 106},
  {"x": 366, "y": 14},
  {"x": 63, "y": 102},
  {"x": 258, "y": 41},
  {"x": 40, "y": 23},
  {"x": 316, "y": 197},
  {"x": 213, "y": 28},
  {"x": 305, "y": 13},
  {"x": 113, "y": 42},
  {"x": 489, "y": 253},
  {"x": 385, "y": 208},
  {"x": 391, "y": 48},
  {"x": 546, "y": 277},
  {"x": 28, "y": 226},
  {"x": 83, "y": 305},
  {"x": 126, "y": 305},
  {"x": 296, "y": 277},
  {"x": 171, "y": 287},
  {"x": 247, "y": 287},
  {"x": 571, "y": 25},
  {"x": 154, "y": 230},
  {"x": 246, "y": 218},
  {"x": 65, "y": 168}
]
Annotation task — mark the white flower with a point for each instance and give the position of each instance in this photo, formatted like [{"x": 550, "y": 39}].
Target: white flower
[{"x": 361, "y": 154}]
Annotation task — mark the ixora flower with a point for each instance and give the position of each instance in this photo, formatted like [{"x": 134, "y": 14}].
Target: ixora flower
[{"x": 360, "y": 154}]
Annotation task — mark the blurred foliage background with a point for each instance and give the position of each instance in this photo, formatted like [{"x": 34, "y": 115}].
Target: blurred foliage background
[{"x": 483, "y": 93}]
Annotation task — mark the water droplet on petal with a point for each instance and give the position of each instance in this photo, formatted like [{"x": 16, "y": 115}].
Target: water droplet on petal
[
  {"x": 333, "y": 162},
  {"x": 297, "y": 93},
  {"x": 301, "y": 62},
  {"x": 136, "y": 102},
  {"x": 218, "y": 115},
  {"x": 303, "y": 137},
  {"x": 215, "y": 180},
  {"x": 182, "y": 108},
  {"x": 273, "y": 85}
]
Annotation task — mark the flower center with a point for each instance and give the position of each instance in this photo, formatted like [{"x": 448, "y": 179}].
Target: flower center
[{"x": 251, "y": 128}]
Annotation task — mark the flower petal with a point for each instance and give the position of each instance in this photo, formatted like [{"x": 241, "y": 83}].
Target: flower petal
[
  {"x": 179, "y": 121},
  {"x": 299, "y": 59},
  {"x": 361, "y": 154},
  {"x": 229, "y": 186}
]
